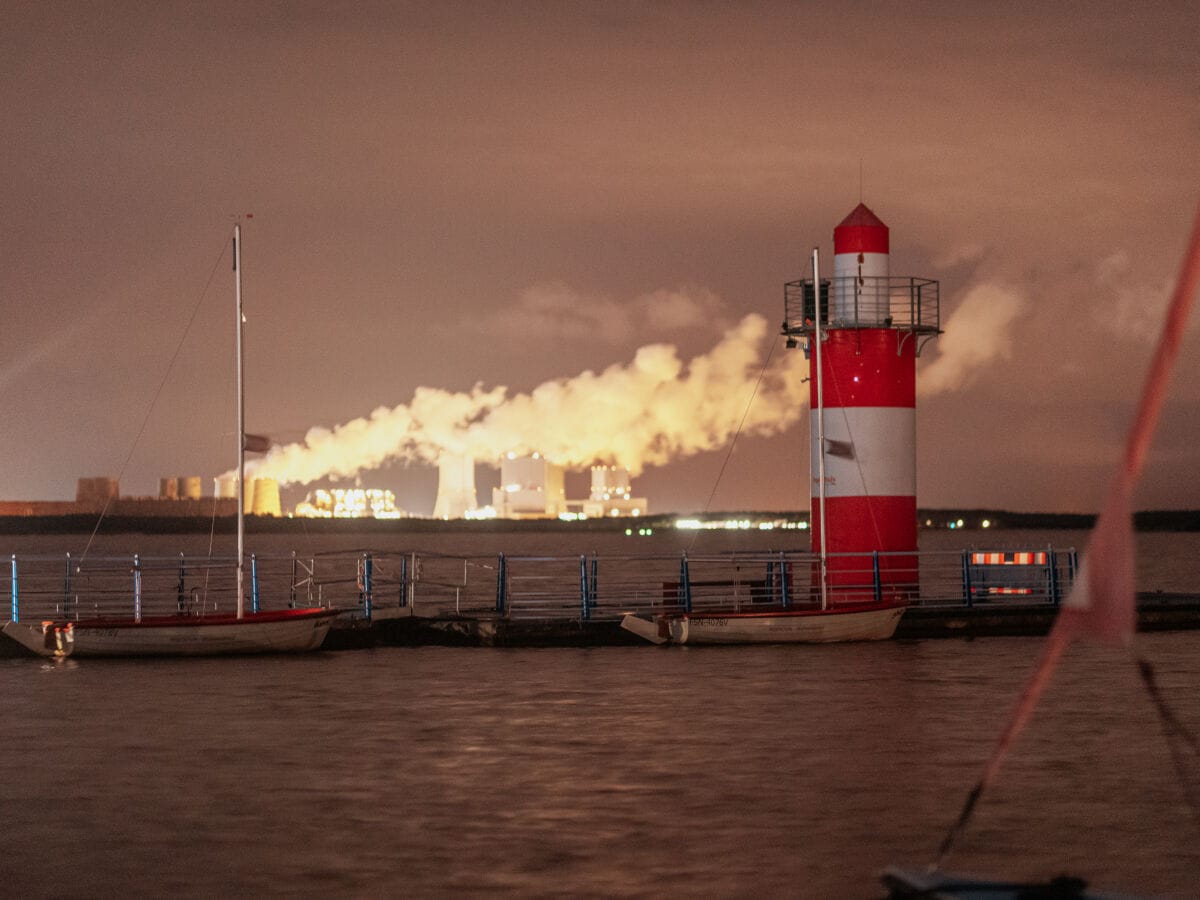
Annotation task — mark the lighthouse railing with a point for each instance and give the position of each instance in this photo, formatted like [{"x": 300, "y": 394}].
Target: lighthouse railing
[{"x": 901, "y": 302}]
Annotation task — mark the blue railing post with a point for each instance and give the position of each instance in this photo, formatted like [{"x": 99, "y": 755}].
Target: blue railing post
[
  {"x": 15, "y": 615},
  {"x": 403, "y": 581},
  {"x": 594, "y": 582},
  {"x": 1052, "y": 573},
  {"x": 784, "y": 591},
  {"x": 180, "y": 596},
  {"x": 253, "y": 583},
  {"x": 368, "y": 574},
  {"x": 66, "y": 604},
  {"x": 137, "y": 588},
  {"x": 685, "y": 584},
  {"x": 501, "y": 584},
  {"x": 292, "y": 589},
  {"x": 966, "y": 577},
  {"x": 585, "y": 610},
  {"x": 875, "y": 576}
]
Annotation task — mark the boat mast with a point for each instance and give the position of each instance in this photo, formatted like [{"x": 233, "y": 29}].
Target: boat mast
[
  {"x": 241, "y": 424},
  {"x": 820, "y": 418}
]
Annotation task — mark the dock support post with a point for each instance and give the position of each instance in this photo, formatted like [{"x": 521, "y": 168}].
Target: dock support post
[
  {"x": 501, "y": 585},
  {"x": 253, "y": 583},
  {"x": 137, "y": 588},
  {"x": 403, "y": 581},
  {"x": 966, "y": 577},
  {"x": 15, "y": 614}
]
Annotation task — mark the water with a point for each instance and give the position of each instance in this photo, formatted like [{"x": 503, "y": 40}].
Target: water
[{"x": 772, "y": 771}]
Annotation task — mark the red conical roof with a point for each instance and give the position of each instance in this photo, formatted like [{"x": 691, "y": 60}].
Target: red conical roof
[{"x": 861, "y": 232}]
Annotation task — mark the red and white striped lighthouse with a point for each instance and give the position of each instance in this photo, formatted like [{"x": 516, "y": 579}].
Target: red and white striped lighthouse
[{"x": 872, "y": 328}]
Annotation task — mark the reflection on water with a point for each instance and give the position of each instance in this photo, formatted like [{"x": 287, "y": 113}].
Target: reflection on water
[{"x": 772, "y": 771}]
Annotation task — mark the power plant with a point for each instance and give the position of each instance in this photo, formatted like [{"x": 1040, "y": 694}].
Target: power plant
[
  {"x": 611, "y": 494},
  {"x": 531, "y": 487}
]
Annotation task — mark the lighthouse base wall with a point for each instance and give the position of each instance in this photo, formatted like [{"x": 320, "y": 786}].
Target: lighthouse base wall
[{"x": 870, "y": 542}]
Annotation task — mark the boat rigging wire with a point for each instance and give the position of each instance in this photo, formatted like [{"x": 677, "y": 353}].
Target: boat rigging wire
[
  {"x": 733, "y": 440},
  {"x": 154, "y": 400}
]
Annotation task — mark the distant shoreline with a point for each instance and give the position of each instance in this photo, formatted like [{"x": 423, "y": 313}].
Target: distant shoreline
[{"x": 939, "y": 519}]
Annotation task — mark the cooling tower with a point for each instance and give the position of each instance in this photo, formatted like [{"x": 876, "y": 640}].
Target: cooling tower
[
  {"x": 265, "y": 492},
  {"x": 188, "y": 487},
  {"x": 168, "y": 489},
  {"x": 94, "y": 493},
  {"x": 456, "y": 487},
  {"x": 226, "y": 486}
]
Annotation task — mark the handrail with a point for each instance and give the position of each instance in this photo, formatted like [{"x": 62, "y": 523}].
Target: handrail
[{"x": 585, "y": 588}]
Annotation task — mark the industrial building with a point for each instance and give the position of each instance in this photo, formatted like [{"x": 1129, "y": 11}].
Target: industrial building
[
  {"x": 178, "y": 497},
  {"x": 349, "y": 503},
  {"x": 531, "y": 487},
  {"x": 611, "y": 494}
]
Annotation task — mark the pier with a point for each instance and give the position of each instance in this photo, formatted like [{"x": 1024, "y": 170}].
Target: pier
[{"x": 417, "y": 598}]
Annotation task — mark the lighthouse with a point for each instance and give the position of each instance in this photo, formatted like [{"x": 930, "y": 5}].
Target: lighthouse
[{"x": 866, "y": 329}]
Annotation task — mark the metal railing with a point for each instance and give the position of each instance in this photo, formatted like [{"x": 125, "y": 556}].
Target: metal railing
[
  {"x": 576, "y": 588},
  {"x": 904, "y": 303}
]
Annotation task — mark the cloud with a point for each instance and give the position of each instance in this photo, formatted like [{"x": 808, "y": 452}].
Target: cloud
[
  {"x": 1126, "y": 307},
  {"x": 556, "y": 311}
]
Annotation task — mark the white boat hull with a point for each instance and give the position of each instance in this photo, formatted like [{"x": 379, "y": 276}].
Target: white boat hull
[
  {"x": 874, "y": 623},
  {"x": 283, "y": 631}
]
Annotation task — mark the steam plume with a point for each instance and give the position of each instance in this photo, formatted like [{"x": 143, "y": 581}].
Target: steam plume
[
  {"x": 646, "y": 412},
  {"x": 977, "y": 334}
]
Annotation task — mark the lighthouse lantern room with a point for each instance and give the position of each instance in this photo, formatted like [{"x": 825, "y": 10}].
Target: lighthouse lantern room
[{"x": 871, "y": 326}]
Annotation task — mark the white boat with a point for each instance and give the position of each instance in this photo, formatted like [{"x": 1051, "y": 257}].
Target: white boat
[
  {"x": 272, "y": 631},
  {"x": 858, "y": 622},
  {"x": 827, "y": 623},
  {"x": 221, "y": 634}
]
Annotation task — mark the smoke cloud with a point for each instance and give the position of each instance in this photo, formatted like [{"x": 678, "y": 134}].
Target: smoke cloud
[
  {"x": 977, "y": 334},
  {"x": 646, "y": 412}
]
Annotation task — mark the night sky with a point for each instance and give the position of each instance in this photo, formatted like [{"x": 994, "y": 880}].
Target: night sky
[{"x": 505, "y": 194}]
